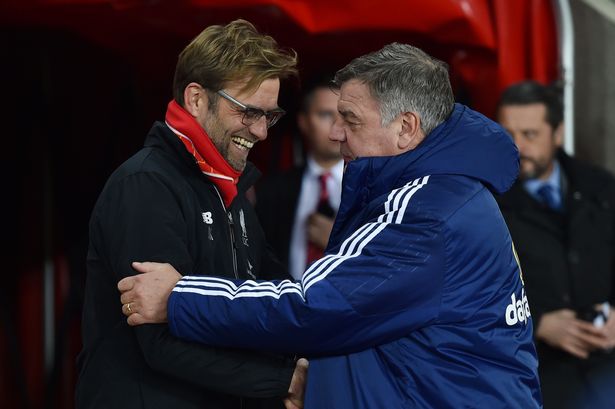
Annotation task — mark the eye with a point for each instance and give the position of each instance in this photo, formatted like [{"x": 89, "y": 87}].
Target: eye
[
  {"x": 352, "y": 124},
  {"x": 252, "y": 114},
  {"x": 529, "y": 134},
  {"x": 325, "y": 115},
  {"x": 273, "y": 117}
]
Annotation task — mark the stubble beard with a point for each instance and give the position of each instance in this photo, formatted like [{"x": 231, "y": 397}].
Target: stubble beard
[{"x": 222, "y": 141}]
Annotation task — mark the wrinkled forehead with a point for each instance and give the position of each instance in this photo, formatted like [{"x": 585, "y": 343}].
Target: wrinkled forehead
[
  {"x": 264, "y": 95},
  {"x": 355, "y": 96}
]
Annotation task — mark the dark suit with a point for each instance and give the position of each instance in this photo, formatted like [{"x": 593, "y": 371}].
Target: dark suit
[
  {"x": 568, "y": 261},
  {"x": 276, "y": 206}
]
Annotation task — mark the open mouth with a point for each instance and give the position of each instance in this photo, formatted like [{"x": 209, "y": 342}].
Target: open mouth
[{"x": 242, "y": 143}]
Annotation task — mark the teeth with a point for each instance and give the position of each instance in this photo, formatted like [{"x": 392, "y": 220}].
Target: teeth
[{"x": 244, "y": 143}]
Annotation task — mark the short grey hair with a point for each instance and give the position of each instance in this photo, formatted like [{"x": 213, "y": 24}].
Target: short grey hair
[{"x": 403, "y": 78}]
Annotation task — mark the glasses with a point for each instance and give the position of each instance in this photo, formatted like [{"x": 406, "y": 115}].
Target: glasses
[{"x": 252, "y": 115}]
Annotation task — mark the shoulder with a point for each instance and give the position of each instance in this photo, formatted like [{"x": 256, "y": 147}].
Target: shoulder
[
  {"x": 147, "y": 178},
  {"x": 587, "y": 175},
  {"x": 149, "y": 164},
  {"x": 441, "y": 196},
  {"x": 590, "y": 182}
]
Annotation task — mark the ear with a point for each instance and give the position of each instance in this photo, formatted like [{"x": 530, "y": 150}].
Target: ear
[
  {"x": 558, "y": 135},
  {"x": 195, "y": 99},
  {"x": 410, "y": 134}
]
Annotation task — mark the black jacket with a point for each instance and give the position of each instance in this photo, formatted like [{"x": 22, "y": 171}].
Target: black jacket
[
  {"x": 158, "y": 206},
  {"x": 277, "y": 197},
  {"x": 567, "y": 259}
]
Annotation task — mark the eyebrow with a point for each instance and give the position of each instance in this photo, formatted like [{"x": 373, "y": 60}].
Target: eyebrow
[
  {"x": 348, "y": 113},
  {"x": 276, "y": 108},
  {"x": 242, "y": 104}
]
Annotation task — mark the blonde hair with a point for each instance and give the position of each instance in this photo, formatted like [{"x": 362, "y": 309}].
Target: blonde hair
[{"x": 235, "y": 52}]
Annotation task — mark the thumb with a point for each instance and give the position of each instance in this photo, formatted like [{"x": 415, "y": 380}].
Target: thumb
[{"x": 303, "y": 363}]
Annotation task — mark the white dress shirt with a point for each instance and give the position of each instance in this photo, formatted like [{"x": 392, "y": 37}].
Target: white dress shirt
[{"x": 306, "y": 205}]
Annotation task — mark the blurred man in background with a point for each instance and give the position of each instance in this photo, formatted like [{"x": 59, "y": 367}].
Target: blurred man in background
[
  {"x": 297, "y": 208},
  {"x": 561, "y": 215}
]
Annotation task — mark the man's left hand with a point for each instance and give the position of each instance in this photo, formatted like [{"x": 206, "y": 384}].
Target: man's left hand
[
  {"x": 144, "y": 296},
  {"x": 319, "y": 229}
]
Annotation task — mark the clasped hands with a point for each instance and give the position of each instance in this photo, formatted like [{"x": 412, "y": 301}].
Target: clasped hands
[
  {"x": 562, "y": 329},
  {"x": 144, "y": 300}
]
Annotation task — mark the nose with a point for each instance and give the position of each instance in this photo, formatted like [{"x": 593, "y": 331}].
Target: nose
[
  {"x": 259, "y": 128},
  {"x": 518, "y": 140},
  {"x": 337, "y": 133}
]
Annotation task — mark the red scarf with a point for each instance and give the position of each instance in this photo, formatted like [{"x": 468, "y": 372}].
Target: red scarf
[{"x": 198, "y": 143}]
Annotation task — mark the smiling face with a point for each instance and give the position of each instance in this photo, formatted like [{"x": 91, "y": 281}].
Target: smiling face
[
  {"x": 224, "y": 124},
  {"x": 536, "y": 140},
  {"x": 359, "y": 128}
]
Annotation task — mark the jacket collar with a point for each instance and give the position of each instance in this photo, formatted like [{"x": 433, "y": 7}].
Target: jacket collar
[
  {"x": 161, "y": 137},
  {"x": 467, "y": 144}
]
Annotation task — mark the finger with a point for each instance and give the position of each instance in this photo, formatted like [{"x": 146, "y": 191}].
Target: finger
[
  {"x": 140, "y": 267},
  {"x": 303, "y": 363},
  {"x": 128, "y": 312},
  {"x": 126, "y": 284},
  {"x": 590, "y": 340},
  {"x": 588, "y": 327},
  {"x": 136, "y": 319},
  {"x": 318, "y": 217},
  {"x": 288, "y": 404},
  {"x": 146, "y": 267},
  {"x": 593, "y": 340},
  {"x": 567, "y": 313},
  {"x": 576, "y": 350},
  {"x": 127, "y": 297},
  {"x": 310, "y": 220}
]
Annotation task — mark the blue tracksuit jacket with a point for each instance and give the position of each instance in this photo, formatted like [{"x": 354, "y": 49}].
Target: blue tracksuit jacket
[{"x": 418, "y": 301}]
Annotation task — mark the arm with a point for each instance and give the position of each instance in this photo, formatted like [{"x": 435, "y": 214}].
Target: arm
[
  {"x": 383, "y": 282},
  {"x": 142, "y": 219},
  {"x": 233, "y": 372}
]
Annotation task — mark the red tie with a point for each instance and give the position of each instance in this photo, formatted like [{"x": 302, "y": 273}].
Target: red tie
[{"x": 313, "y": 251}]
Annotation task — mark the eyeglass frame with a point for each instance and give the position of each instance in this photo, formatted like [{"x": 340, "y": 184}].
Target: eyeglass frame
[{"x": 245, "y": 109}]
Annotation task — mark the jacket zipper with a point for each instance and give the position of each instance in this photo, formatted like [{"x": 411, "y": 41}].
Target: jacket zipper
[
  {"x": 233, "y": 249},
  {"x": 233, "y": 244},
  {"x": 232, "y": 233}
]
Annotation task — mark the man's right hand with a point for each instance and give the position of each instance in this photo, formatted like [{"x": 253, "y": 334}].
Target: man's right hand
[
  {"x": 296, "y": 390},
  {"x": 144, "y": 296},
  {"x": 319, "y": 229},
  {"x": 561, "y": 329}
]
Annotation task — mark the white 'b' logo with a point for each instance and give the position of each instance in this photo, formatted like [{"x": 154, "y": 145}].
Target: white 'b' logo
[{"x": 207, "y": 218}]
